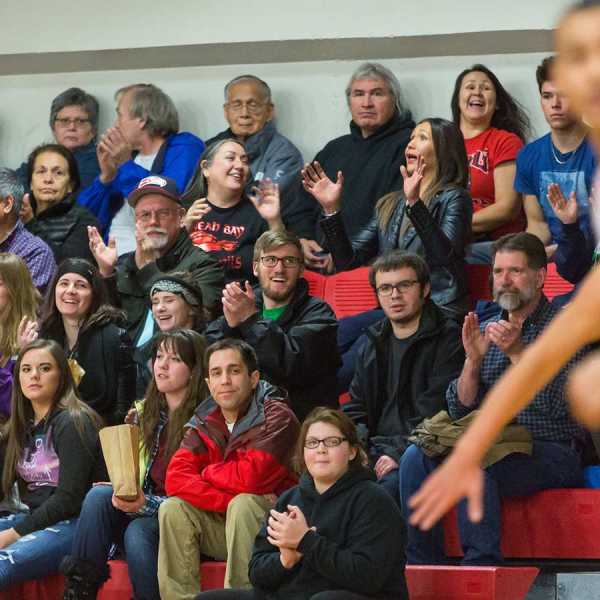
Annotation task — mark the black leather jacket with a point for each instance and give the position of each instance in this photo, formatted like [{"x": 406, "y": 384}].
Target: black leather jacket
[{"x": 438, "y": 233}]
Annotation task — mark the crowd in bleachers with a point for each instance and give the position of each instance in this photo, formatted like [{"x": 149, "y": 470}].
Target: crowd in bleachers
[{"x": 150, "y": 278}]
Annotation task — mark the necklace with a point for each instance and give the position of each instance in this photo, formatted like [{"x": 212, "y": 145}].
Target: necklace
[{"x": 561, "y": 162}]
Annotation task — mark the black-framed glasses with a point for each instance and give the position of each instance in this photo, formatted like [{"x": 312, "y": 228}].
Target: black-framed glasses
[
  {"x": 387, "y": 289},
  {"x": 287, "y": 261},
  {"x": 65, "y": 122},
  {"x": 332, "y": 441}
]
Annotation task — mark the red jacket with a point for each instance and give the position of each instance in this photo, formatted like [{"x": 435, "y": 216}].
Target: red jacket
[{"x": 212, "y": 465}]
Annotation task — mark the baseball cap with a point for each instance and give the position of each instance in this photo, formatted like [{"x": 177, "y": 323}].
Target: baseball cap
[{"x": 155, "y": 184}]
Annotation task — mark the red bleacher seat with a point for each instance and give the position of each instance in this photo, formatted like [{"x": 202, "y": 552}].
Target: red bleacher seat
[
  {"x": 316, "y": 283},
  {"x": 478, "y": 282},
  {"x": 555, "y": 285},
  {"x": 118, "y": 587},
  {"x": 554, "y": 524},
  {"x": 469, "y": 583},
  {"x": 349, "y": 293}
]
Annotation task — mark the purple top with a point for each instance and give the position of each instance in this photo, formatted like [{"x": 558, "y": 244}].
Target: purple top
[
  {"x": 35, "y": 252},
  {"x": 6, "y": 383}
]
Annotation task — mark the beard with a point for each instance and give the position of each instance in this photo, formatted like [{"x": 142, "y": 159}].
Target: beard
[
  {"x": 159, "y": 240},
  {"x": 511, "y": 299}
]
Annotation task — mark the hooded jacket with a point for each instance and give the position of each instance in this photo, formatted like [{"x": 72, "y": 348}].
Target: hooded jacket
[
  {"x": 176, "y": 158},
  {"x": 371, "y": 168},
  {"x": 434, "y": 358},
  {"x": 358, "y": 544},
  {"x": 129, "y": 286},
  {"x": 63, "y": 227},
  {"x": 438, "y": 233},
  {"x": 213, "y": 465},
  {"x": 103, "y": 350},
  {"x": 298, "y": 351}
]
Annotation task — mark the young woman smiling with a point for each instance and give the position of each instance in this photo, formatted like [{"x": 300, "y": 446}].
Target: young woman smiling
[
  {"x": 50, "y": 450},
  {"x": 495, "y": 127},
  {"x": 335, "y": 536},
  {"x": 77, "y": 316},
  {"x": 221, "y": 218},
  {"x": 177, "y": 387}
]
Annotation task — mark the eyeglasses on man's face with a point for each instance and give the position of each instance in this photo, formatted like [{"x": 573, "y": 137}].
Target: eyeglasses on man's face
[
  {"x": 145, "y": 216},
  {"x": 387, "y": 289},
  {"x": 287, "y": 261},
  {"x": 252, "y": 106},
  {"x": 329, "y": 442}
]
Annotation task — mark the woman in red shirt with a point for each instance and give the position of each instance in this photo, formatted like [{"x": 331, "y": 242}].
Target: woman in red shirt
[{"x": 494, "y": 126}]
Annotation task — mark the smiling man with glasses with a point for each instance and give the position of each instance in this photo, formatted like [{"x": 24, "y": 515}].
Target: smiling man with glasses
[
  {"x": 293, "y": 334},
  {"x": 407, "y": 362}
]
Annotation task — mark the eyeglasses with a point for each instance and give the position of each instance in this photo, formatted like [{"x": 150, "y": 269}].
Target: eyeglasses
[
  {"x": 162, "y": 213},
  {"x": 329, "y": 442},
  {"x": 253, "y": 106},
  {"x": 387, "y": 289},
  {"x": 65, "y": 122},
  {"x": 287, "y": 261}
]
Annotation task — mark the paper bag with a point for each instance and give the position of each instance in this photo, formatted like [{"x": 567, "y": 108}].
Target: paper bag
[{"x": 120, "y": 446}]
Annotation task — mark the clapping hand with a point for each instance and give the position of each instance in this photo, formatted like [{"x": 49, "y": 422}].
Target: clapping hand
[
  {"x": 195, "y": 213},
  {"x": 265, "y": 198},
  {"x": 238, "y": 304},
  {"x": 564, "y": 209},
  {"x": 27, "y": 332},
  {"x": 106, "y": 256},
  {"x": 412, "y": 182},
  {"x": 327, "y": 193}
]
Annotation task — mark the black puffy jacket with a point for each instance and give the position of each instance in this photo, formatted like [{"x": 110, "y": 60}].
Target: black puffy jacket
[
  {"x": 439, "y": 233},
  {"x": 63, "y": 227}
]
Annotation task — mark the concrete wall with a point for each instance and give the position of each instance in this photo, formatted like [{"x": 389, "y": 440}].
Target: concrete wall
[{"x": 305, "y": 50}]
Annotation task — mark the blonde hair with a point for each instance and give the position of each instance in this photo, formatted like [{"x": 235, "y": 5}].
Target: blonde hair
[{"x": 23, "y": 301}]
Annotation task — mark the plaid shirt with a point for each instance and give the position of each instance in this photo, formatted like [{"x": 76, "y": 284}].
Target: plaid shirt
[
  {"x": 153, "y": 501},
  {"x": 35, "y": 252},
  {"x": 547, "y": 417}
]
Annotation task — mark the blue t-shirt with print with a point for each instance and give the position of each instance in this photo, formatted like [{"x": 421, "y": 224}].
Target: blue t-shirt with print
[{"x": 538, "y": 166}]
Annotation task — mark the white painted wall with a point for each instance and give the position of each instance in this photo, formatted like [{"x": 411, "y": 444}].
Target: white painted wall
[{"x": 309, "y": 97}]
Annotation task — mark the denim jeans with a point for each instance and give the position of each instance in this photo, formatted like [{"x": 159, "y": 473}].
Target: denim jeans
[
  {"x": 351, "y": 338},
  {"x": 35, "y": 555},
  {"x": 552, "y": 465},
  {"x": 101, "y": 525}
]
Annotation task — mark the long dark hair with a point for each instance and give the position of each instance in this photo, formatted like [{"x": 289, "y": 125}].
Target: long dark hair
[
  {"x": 52, "y": 323},
  {"x": 16, "y": 429},
  {"x": 190, "y": 346},
  {"x": 197, "y": 187},
  {"x": 74, "y": 177},
  {"x": 452, "y": 168},
  {"x": 509, "y": 115}
]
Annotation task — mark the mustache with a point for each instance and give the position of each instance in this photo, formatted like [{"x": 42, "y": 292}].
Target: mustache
[{"x": 158, "y": 230}]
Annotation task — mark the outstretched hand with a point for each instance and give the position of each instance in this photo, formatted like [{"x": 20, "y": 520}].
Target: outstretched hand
[
  {"x": 564, "y": 209},
  {"x": 265, "y": 197},
  {"x": 106, "y": 256},
  {"x": 327, "y": 193},
  {"x": 412, "y": 182}
]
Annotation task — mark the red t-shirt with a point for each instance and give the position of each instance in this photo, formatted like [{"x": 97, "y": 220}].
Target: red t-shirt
[{"x": 485, "y": 152}]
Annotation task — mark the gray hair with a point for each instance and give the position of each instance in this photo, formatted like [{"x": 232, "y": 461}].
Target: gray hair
[
  {"x": 371, "y": 70},
  {"x": 197, "y": 186},
  {"x": 75, "y": 97},
  {"x": 264, "y": 86},
  {"x": 152, "y": 105},
  {"x": 11, "y": 185}
]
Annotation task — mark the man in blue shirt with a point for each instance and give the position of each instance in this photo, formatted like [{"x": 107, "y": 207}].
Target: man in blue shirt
[{"x": 554, "y": 174}]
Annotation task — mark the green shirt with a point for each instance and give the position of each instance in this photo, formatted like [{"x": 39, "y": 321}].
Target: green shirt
[{"x": 273, "y": 313}]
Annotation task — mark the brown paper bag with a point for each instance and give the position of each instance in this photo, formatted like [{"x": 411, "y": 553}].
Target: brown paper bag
[{"x": 120, "y": 446}]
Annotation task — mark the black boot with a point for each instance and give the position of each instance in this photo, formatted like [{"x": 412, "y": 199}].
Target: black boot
[{"x": 83, "y": 578}]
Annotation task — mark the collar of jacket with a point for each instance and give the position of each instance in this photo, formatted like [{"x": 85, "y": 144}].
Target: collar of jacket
[
  {"x": 255, "y": 414},
  {"x": 255, "y": 144},
  {"x": 395, "y": 124},
  {"x": 298, "y": 297},
  {"x": 350, "y": 478},
  {"x": 60, "y": 208}
]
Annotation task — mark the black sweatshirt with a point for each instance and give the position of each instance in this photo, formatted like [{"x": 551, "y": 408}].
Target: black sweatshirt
[
  {"x": 358, "y": 545},
  {"x": 58, "y": 465}
]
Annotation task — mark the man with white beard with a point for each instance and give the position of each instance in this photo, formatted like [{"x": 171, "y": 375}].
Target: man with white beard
[
  {"x": 162, "y": 245},
  {"x": 519, "y": 271}
]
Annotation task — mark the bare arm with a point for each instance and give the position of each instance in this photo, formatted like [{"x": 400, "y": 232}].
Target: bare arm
[
  {"x": 507, "y": 201},
  {"x": 536, "y": 222}
]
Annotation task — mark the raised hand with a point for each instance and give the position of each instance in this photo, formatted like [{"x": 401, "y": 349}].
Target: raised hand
[
  {"x": 26, "y": 212},
  {"x": 106, "y": 256},
  {"x": 327, "y": 193},
  {"x": 195, "y": 213},
  {"x": 27, "y": 332},
  {"x": 238, "y": 304},
  {"x": 475, "y": 343},
  {"x": 265, "y": 198},
  {"x": 565, "y": 210},
  {"x": 412, "y": 182}
]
